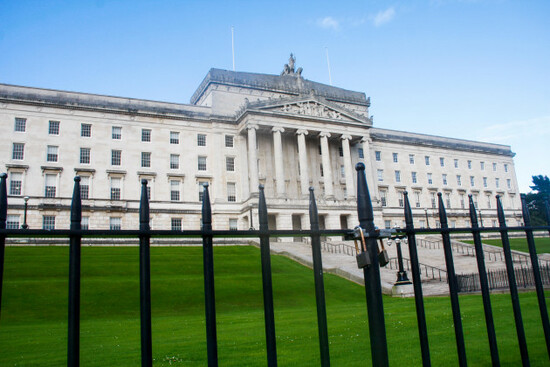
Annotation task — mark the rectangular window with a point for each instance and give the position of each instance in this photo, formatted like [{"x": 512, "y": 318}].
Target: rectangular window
[
  {"x": 456, "y": 163},
  {"x": 444, "y": 179},
  {"x": 85, "y": 155},
  {"x": 387, "y": 224},
  {"x": 427, "y": 160},
  {"x": 505, "y": 167},
  {"x": 233, "y": 224},
  {"x": 116, "y": 132},
  {"x": 474, "y": 198},
  {"x": 482, "y": 165},
  {"x": 322, "y": 172},
  {"x": 18, "y": 151},
  {"x": 86, "y": 130},
  {"x": 448, "y": 200},
  {"x": 12, "y": 222},
  {"x": 472, "y": 181},
  {"x": 417, "y": 198},
  {"x": 201, "y": 163},
  {"x": 413, "y": 176},
  {"x": 442, "y": 161},
  {"x": 231, "y": 192},
  {"x": 174, "y": 190},
  {"x": 430, "y": 180},
  {"x": 342, "y": 171},
  {"x": 433, "y": 199},
  {"x": 16, "y": 183},
  {"x": 230, "y": 164},
  {"x": 20, "y": 124},
  {"x": 394, "y": 157},
  {"x": 175, "y": 224},
  {"x": 469, "y": 164},
  {"x": 201, "y": 140},
  {"x": 400, "y": 199},
  {"x": 116, "y": 157},
  {"x": 411, "y": 158},
  {"x": 397, "y": 176},
  {"x": 85, "y": 223},
  {"x": 50, "y": 186},
  {"x": 458, "y": 180},
  {"x": 340, "y": 151},
  {"x": 378, "y": 155},
  {"x": 484, "y": 181},
  {"x": 53, "y": 128},
  {"x": 509, "y": 183},
  {"x": 380, "y": 174},
  {"x": 383, "y": 199},
  {"x": 497, "y": 182},
  {"x": 320, "y": 149},
  {"x": 116, "y": 188},
  {"x": 488, "y": 201},
  {"x": 84, "y": 187},
  {"x": 494, "y": 167},
  {"x": 174, "y": 137},
  {"x": 361, "y": 153},
  {"x": 229, "y": 141},
  {"x": 145, "y": 159},
  {"x": 52, "y": 153},
  {"x": 462, "y": 203},
  {"x": 48, "y": 222},
  {"x": 115, "y": 223},
  {"x": 174, "y": 161},
  {"x": 146, "y": 135}
]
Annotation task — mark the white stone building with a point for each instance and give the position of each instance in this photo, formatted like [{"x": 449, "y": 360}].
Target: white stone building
[{"x": 240, "y": 130}]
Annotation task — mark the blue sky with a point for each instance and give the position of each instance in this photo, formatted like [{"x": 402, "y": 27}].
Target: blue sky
[{"x": 476, "y": 70}]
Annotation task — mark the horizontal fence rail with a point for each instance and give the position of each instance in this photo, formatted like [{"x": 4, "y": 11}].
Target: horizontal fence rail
[{"x": 531, "y": 273}]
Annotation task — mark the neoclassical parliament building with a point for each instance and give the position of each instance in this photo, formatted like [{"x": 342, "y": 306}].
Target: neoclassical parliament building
[{"x": 239, "y": 130}]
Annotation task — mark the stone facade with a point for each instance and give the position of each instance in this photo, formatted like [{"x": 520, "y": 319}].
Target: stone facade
[{"x": 240, "y": 130}]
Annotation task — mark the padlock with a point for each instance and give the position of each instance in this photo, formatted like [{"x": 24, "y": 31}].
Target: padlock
[
  {"x": 362, "y": 257},
  {"x": 383, "y": 257}
]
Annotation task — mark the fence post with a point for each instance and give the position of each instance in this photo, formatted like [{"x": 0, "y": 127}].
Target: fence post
[
  {"x": 536, "y": 271},
  {"x": 73, "y": 348},
  {"x": 484, "y": 284},
  {"x": 267, "y": 285},
  {"x": 209, "y": 294},
  {"x": 318, "y": 276},
  {"x": 3, "y": 218},
  {"x": 453, "y": 286},
  {"x": 417, "y": 284},
  {"x": 512, "y": 283},
  {"x": 373, "y": 286},
  {"x": 145, "y": 278}
]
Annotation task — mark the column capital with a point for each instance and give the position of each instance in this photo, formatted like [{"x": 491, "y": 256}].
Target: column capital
[
  {"x": 324, "y": 134},
  {"x": 252, "y": 126},
  {"x": 366, "y": 139},
  {"x": 301, "y": 132},
  {"x": 277, "y": 129},
  {"x": 345, "y": 137}
]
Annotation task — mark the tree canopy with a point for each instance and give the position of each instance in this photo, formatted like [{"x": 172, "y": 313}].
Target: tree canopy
[{"x": 536, "y": 200}]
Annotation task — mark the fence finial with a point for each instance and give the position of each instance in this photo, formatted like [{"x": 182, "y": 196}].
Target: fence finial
[
  {"x": 206, "y": 208},
  {"x": 144, "y": 207},
  {"x": 262, "y": 210},
  {"x": 3, "y": 200},
  {"x": 500, "y": 213},
  {"x": 408, "y": 212},
  {"x": 313, "y": 213},
  {"x": 473, "y": 214},
  {"x": 76, "y": 206},
  {"x": 442, "y": 211},
  {"x": 364, "y": 204}
]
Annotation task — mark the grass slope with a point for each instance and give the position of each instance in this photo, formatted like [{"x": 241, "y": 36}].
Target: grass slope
[
  {"x": 542, "y": 244},
  {"x": 33, "y": 320}
]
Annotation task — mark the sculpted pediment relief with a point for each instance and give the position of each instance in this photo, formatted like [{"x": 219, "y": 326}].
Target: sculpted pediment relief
[{"x": 311, "y": 108}]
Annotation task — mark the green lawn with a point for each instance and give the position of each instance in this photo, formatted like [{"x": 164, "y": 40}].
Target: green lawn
[
  {"x": 33, "y": 325},
  {"x": 542, "y": 244}
]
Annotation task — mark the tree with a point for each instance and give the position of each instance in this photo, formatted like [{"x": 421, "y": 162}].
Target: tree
[{"x": 536, "y": 200}]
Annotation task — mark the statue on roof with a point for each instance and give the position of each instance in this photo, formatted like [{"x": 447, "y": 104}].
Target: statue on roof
[{"x": 289, "y": 68}]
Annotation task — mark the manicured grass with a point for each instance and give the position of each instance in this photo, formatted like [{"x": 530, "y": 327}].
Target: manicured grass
[
  {"x": 33, "y": 324},
  {"x": 542, "y": 244}
]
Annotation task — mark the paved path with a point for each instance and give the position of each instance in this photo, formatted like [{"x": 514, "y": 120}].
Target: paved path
[{"x": 345, "y": 265}]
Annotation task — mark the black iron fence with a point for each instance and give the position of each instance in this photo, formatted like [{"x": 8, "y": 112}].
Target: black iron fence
[{"x": 368, "y": 257}]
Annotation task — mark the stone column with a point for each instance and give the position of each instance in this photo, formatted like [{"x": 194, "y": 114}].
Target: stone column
[
  {"x": 279, "y": 166},
  {"x": 370, "y": 168},
  {"x": 350, "y": 187},
  {"x": 327, "y": 168},
  {"x": 252, "y": 158},
  {"x": 304, "y": 167}
]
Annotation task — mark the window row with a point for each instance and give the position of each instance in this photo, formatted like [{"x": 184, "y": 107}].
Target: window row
[
  {"x": 442, "y": 161},
  {"x": 444, "y": 179}
]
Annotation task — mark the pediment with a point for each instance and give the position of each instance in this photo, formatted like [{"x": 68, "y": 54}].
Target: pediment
[{"x": 312, "y": 108}]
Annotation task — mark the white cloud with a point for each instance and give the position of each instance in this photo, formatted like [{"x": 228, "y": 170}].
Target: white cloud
[
  {"x": 515, "y": 130},
  {"x": 328, "y": 23},
  {"x": 383, "y": 17}
]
